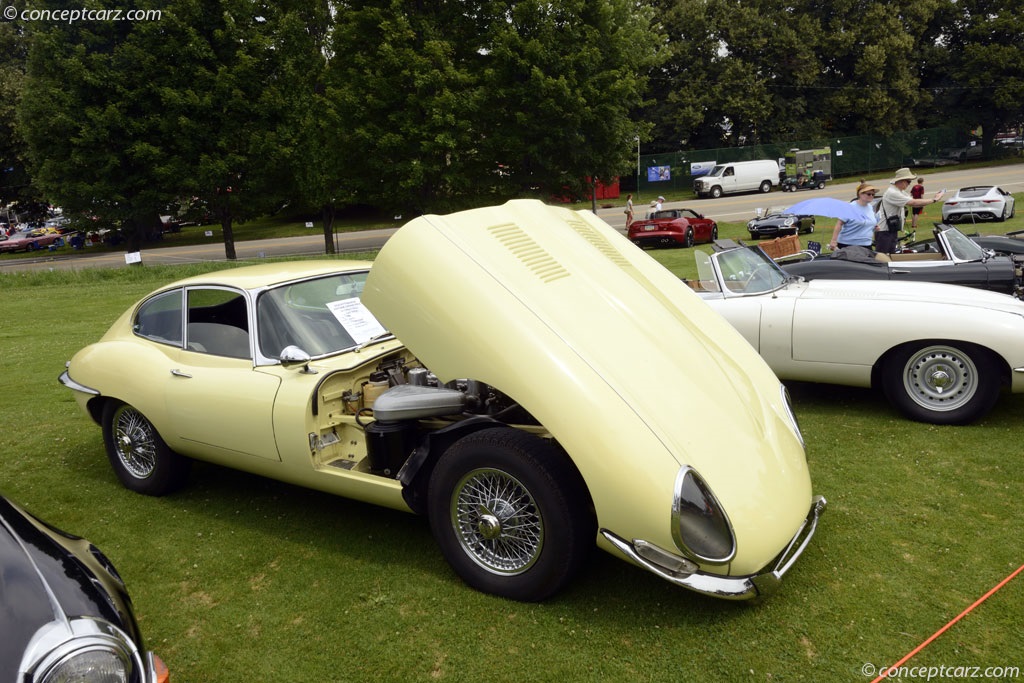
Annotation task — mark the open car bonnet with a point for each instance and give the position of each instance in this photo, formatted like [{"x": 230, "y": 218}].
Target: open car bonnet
[{"x": 559, "y": 311}]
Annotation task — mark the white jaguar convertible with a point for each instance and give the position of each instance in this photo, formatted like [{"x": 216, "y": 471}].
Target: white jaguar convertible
[{"x": 941, "y": 353}]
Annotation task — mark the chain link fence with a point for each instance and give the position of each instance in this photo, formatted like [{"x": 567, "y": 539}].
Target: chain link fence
[{"x": 852, "y": 156}]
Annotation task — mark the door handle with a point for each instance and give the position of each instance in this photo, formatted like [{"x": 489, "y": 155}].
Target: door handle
[{"x": 178, "y": 373}]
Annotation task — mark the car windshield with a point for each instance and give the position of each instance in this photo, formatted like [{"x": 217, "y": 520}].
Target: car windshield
[
  {"x": 962, "y": 247},
  {"x": 748, "y": 270},
  {"x": 321, "y": 316}
]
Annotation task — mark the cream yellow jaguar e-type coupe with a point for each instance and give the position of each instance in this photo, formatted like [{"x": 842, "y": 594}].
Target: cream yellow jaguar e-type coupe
[{"x": 521, "y": 374}]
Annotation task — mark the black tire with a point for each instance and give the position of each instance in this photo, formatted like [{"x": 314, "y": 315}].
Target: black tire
[
  {"x": 140, "y": 457},
  {"x": 821, "y": 185},
  {"x": 496, "y": 476},
  {"x": 716, "y": 192},
  {"x": 766, "y": 187},
  {"x": 714, "y": 233},
  {"x": 946, "y": 383},
  {"x": 1002, "y": 216},
  {"x": 688, "y": 240}
]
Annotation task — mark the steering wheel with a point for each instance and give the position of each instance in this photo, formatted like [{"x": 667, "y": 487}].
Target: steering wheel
[{"x": 754, "y": 273}]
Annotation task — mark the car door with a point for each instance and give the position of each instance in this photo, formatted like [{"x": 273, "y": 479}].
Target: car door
[
  {"x": 968, "y": 274},
  {"x": 218, "y": 405}
]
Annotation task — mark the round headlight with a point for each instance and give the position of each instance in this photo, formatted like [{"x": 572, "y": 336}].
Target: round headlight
[
  {"x": 94, "y": 666},
  {"x": 700, "y": 526},
  {"x": 789, "y": 221}
]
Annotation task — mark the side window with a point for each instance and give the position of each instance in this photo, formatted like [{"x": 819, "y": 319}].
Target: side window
[
  {"x": 218, "y": 322},
  {"x": 159, "y": 319}
]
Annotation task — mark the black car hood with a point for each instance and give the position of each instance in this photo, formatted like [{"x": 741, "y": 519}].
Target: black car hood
[{"x": 42, "y": 581}]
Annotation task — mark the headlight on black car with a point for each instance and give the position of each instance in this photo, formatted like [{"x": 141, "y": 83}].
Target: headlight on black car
[
  {"x": 700, "y": 527},
  {"x": 86, "y": 650}
]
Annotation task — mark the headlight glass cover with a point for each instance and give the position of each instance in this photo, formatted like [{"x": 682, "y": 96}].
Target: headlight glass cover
[
  {"x": 700, "y": 526},
  {"x": 94, "y": 666},
  {"x": 82, "y": 650}
]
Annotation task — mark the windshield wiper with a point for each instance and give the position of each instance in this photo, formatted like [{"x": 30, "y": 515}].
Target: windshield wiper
[{"x": 373, "y": 340}]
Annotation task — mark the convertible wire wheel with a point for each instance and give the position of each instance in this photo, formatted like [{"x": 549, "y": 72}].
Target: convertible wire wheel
[
  {"x": 497, "y": 521},
  {"x": 135, "y": 441},
  {"x": 940, "y": 378}
]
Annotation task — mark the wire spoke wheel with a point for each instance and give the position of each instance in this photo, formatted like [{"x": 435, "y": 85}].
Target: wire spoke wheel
[
  {"x": 497, "y": 521},
  {"x": 135, "y": 442},
  {"x": 138, "y": 454},
  {"x": 510, "y": 513}
]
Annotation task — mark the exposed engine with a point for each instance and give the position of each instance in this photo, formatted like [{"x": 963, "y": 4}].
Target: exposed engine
[{"x": 392, "y": 409}]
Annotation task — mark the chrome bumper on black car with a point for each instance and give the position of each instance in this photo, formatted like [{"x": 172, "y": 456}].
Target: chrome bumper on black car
[{"x": 730, "y": 587}]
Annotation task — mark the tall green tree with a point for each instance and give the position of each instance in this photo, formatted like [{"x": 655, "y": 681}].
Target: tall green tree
[
  {"x": 91, "y": 113},
  {"x": 561, "y": 81},
  {"x": 126, "y": 118},
  {"x": 16, "y": 185},
  {"x": 447, "y": 101},
  {"x": 227, "y": 109},
  {"x": 986, "y": 66}
]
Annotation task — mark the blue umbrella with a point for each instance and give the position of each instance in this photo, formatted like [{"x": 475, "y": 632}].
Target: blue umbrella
[{"x": 826, "y": 206}]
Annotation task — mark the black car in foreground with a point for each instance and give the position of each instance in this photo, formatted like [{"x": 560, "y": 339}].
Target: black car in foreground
[
  {"x": 65, "y": 614},
  {"x": 956, "y": 260}
]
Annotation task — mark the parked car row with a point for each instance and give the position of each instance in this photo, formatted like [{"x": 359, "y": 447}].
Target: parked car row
[{"x": 30, "y": 240}]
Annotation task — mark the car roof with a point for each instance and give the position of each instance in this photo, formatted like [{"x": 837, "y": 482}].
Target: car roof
[{"x": 270, "y": 274}]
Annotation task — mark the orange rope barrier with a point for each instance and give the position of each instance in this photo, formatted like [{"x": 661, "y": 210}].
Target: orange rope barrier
[{"x": 948, "y": 625}]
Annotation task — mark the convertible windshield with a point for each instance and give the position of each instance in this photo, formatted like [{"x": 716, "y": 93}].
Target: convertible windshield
[
  {"x": 749, "y": 271},
  {"x": 320, "y": 316},
  {"x": 962, "y": 247}
]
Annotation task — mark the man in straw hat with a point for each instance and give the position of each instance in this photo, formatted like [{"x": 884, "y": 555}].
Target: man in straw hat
[{"x": 891, "y": 210}]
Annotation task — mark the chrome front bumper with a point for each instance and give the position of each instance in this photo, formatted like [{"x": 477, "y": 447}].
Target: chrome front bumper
[
  {"x": 732, "y": 587},
  {"x": 66, "y": 380}
]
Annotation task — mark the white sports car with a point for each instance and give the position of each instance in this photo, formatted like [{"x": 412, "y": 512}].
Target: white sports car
[{"x": 941, "y": 353}]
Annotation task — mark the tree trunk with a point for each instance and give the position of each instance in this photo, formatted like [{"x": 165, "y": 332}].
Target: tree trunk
[
  {"x": 328, "y": 215},
  {"x": 229, "y": 236}
]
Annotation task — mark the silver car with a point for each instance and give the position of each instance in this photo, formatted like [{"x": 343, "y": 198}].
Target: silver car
[{"x": 981, "y": 202}]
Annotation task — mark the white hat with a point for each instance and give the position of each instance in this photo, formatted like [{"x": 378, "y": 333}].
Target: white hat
[{"x": 903, "y": 174}]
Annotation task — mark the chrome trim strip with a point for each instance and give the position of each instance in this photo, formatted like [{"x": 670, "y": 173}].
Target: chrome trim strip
[
  {"x": 733, "y": 587},
  {"x": 66, "y": 380},
  {"x": 1020, "y": 370}
]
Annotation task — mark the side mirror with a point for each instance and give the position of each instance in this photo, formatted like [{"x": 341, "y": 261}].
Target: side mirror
[{"x": 292, "y": 355}]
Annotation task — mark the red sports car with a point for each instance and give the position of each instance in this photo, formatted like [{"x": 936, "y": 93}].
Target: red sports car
[{"x": 672, "y": 228}]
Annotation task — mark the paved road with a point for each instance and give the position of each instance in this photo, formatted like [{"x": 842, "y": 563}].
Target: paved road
[{"x": 728, "y": 208}]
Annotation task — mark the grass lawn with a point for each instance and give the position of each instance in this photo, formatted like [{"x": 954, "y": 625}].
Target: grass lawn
[{"x": 242, "y": 578}]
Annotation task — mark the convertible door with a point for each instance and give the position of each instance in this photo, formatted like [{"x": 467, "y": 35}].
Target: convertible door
[{"x": 970, "y": 274}]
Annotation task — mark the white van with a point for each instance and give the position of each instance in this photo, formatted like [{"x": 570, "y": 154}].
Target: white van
[{"x": 739, "y": 176}]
